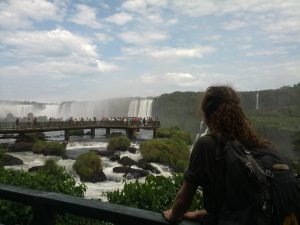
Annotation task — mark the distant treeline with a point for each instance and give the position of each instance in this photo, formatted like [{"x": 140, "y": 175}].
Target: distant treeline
[{"x": 277, "y": 116}]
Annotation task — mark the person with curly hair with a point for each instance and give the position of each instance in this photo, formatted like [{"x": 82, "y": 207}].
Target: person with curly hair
[{"x": 225, "y": 118}]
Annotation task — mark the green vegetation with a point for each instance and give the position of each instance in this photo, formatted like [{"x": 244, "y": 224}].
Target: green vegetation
[
  {"x": 274, "y": 121},
  {"x": 88, "y": 165},
  {"x": 277, "y": 118},
  {"x": 121, "y": 143},
  {"x": 296, "y": 141},
  {"x": 173, "y": 152},
  {"x": 49, "y": 148},
  {"x": 155, "y": 194},
  {"x": 53, "y": 180},
  {"x": 175, "y": 133}
]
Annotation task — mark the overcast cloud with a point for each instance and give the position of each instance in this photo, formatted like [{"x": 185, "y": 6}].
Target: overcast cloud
[{"x": 60, "y": 50}]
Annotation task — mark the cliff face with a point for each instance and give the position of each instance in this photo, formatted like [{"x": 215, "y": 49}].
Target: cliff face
[{"x": 274, "y": 113}]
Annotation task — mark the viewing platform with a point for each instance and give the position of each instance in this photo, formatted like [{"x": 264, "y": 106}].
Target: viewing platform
[
  {"x": 130, "y": 126},
  {"x": 46, "y": 205}
]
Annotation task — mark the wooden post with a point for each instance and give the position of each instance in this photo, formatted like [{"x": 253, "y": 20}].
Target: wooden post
[
  {"x": 155, "y": 133},
  {"x": 131, "y": 133},
  {"x": 107, "y": 131},
  {"x": 93, "y": 132},
  {"x": 67, "y": 135}
]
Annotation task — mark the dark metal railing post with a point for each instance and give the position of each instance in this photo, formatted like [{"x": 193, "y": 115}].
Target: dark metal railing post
[{"x": 43, "y": 215}]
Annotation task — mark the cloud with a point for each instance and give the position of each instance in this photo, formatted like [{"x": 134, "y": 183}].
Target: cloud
[
  {"x": 57, "y": 53},
  {"x": 120, "y": 18},
  {"x": 233, "y": 25},
  {"x": 285, "y": 38},
  {"x": 267, "y": 52},
  {"x": 140, "y": 6},
  {"x": 169, "y": 52},
  {"x": 143, "y": 38},
  {"x": 196, "y": 8},
  {"x": 196, "y": 52},
  {"x": 182, "y": 79},
  {"x": 148, "y": 78},
  {"x": 16, "y": 14},
  {"x": 86, "y": 16},
  {"x": 104, "y": 38},
  {"x": 208, "y": 7},
  {"x": 285, "y": 26},
  {"x": 106, "y": 67},
  {"x": 54, "y": 43},
  {"x": 179, "y": 79}
]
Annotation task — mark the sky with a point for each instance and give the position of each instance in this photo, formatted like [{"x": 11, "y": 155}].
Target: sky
[{"x": 64, "y": 50}]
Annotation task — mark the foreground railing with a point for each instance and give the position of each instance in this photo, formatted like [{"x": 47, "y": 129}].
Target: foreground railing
[{"x": 46, "y": 204}]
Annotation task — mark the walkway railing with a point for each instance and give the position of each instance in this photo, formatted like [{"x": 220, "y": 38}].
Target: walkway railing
[
  {"x": 75, "y": 124},
  {"x": 46, "y": 204}
]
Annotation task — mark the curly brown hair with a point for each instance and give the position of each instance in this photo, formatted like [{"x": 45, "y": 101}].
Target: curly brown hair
[{"x": 223, "y": 113}]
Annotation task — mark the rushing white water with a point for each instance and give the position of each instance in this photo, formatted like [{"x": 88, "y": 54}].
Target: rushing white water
[{"x": 94, "y": 190}]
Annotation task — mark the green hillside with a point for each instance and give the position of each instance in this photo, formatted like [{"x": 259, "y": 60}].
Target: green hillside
[{"x": 277, "y": 116}]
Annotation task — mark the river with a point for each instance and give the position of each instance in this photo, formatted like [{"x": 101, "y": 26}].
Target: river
[{"x": 81, "y": 144}]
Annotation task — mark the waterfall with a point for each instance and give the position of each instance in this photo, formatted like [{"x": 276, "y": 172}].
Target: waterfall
[
  {"x": 90, "y": 109},
  {"x": 133, "y": 108},
  {"x": 149, "y": 108},
  {"x": 257, "y": 103},
  {"x": 140, "y": 108}
]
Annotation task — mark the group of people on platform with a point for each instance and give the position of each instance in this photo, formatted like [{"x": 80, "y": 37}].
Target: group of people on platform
[{"x": 141, "y": 120}]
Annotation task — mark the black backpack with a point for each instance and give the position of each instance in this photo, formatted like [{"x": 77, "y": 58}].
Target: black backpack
[{"x": 259, "y": 187}]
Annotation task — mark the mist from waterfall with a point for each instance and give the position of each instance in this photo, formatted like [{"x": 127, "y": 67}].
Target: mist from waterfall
[{"x": 89, "y": 109}]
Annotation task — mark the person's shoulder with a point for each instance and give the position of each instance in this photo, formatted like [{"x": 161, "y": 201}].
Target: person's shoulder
[{"x": 206, "y": 141}]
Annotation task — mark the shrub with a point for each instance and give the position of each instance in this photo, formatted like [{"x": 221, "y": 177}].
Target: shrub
[
  {"x": 44, "y": 180},
  {"x": 155, "y": 194},
  {"x": 119, "y": 143},
  {"x": 176, "y": 133},
  {"x": 185, "y": 136},
  {"x": 163, "y": 132},
  {"x": 88, "y": 165},
  {"x": 173, "y": 152},
  {"x": 49, "y": 148}
]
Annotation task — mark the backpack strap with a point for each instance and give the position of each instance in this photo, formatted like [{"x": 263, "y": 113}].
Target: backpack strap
[{"x": 220, "y": 144}]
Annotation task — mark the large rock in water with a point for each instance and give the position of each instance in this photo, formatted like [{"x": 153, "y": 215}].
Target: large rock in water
[
  {"x": 95, "y": 178},
  {"x": 24, "y": 142},
  {"x": 21, "y": 147},
  {"x": 126, "y": 161},
  {"x": 9, "y": 160},
  {"x": 35, "y": 168},
  {"x": 142, "y": 163},
  {"x": 130, "y": 173},
  {"x": 30, "y": 137}
]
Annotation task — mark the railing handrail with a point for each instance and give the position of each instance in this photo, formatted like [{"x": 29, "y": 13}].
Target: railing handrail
[
  {"x": 46, "y": 204},
  {"x": 11, "y": 127}
]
